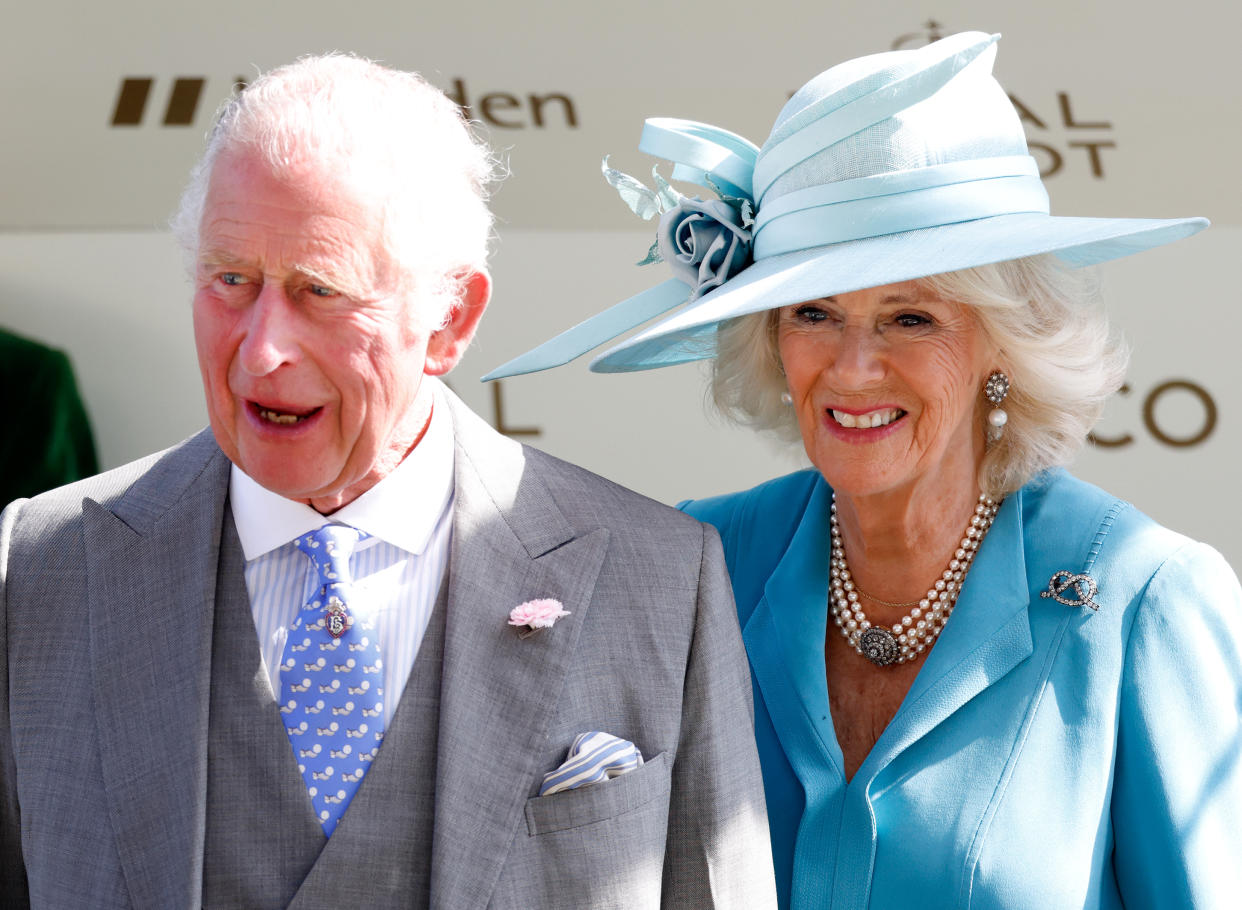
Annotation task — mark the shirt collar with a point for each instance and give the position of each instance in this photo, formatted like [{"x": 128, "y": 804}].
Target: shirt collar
[{"x": 402, "y": 509}]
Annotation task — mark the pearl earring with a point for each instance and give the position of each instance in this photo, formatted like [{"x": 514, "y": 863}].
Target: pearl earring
[
  {"x": 786, "y": 398},
  {"x": 995, "y": 390}
]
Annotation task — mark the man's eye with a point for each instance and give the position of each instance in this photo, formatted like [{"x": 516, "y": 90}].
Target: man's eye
[
  {"x": 320, "y": 291},
  {"x": 232, "y": 278}
]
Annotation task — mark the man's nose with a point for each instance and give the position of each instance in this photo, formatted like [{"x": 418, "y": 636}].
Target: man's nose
[{"x": 271, "y": 337}]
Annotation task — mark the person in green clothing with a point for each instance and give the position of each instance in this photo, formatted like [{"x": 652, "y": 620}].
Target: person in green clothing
[{"x": 47, "y": 439}]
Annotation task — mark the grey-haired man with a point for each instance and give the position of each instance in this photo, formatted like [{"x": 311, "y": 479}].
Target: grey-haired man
[{"x": 192, "y": 711}]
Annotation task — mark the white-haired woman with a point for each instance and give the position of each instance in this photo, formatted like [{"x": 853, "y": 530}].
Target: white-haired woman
[{"x": 978, "y": 681}]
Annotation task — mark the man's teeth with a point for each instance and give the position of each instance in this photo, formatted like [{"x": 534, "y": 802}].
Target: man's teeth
[
  {"x": 278, "y": 416},
  {"x": 867, "y": 421}
]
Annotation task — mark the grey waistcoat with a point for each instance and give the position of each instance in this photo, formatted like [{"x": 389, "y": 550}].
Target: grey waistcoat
[{"x": 264, "y": 847}]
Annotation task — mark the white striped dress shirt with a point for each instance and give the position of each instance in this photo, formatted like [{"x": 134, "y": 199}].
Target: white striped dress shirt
[{"x": 397, "y": 571}]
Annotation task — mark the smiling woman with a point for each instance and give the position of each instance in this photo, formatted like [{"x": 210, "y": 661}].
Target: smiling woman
[{"x": 1030, "y": 696}]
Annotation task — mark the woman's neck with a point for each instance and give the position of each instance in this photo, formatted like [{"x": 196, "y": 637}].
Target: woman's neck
[{"x": 898, "y": 542}]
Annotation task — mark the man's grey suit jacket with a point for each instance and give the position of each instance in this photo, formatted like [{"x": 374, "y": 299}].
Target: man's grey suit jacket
[{"x": 107, "y": 592}]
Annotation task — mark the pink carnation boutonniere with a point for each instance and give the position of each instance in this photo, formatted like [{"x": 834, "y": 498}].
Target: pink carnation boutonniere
[{"x": 536, "y": 615}]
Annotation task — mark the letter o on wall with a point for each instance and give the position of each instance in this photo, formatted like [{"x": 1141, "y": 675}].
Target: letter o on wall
[{"x": 1205, "y": 399}]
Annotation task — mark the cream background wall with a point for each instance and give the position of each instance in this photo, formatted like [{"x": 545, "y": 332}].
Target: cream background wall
[{"x": 1129, "y": 114}]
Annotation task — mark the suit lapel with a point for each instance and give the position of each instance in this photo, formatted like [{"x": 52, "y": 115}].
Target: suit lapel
[
  {"x": 511, "y": 543},
  {"x": 151, "y": 569}
]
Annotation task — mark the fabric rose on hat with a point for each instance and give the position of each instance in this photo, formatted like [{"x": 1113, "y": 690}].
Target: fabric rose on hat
[{"x": 704, "y": 242}]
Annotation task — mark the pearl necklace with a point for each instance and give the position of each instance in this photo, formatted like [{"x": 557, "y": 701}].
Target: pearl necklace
[{"x": 917, "y": 631}]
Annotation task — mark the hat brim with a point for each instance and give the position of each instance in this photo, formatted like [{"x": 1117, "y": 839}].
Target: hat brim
[{"x": 689, "y": 334}]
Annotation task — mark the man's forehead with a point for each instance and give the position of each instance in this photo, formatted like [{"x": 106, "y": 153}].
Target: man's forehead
[
  {"x": 233, "y": 231},
  {"x": 255, "y": 218},
  {"x": 302, "y": 184}
]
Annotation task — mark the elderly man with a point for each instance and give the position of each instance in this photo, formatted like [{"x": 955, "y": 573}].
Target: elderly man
[{"x": 351, "y": 647}]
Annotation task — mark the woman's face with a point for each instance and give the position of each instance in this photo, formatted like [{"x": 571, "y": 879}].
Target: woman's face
[{"x": 887, "y": 386}]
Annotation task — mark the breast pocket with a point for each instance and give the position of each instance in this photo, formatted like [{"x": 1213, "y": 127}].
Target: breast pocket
[{"x": 598, "y": 802}]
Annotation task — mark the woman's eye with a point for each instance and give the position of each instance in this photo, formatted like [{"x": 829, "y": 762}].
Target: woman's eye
[
  {"x": 809, "y": 312},
  {"x": 912, "y": 320}
]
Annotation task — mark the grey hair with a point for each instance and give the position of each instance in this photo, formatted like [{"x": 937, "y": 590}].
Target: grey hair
[
  {"x": 386, "y": 129},
  {"x": 1048, "y": 323}
]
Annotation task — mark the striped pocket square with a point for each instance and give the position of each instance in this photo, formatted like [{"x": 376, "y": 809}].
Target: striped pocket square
[{"x": 593, "y": 757}]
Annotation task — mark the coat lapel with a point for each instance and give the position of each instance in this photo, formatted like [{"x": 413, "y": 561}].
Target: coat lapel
[
  {"x": 988, "y": 635},
  {"x": 785, "y": 640},
  {"x": 151, "y": 566},
  {"x": 511, "y": 543}
]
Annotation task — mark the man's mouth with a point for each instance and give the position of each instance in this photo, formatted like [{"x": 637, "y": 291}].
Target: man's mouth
[
  {"x": 282, "y": 417},
  {"x": 880, "y": 418}
]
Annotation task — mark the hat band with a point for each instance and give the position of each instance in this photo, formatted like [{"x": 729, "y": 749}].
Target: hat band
[
  {"x": 891, "y": 183},
  {"x": 815, "y": 223}
]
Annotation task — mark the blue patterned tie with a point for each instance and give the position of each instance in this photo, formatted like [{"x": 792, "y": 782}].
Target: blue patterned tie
[{"x": 331, "y": 680}]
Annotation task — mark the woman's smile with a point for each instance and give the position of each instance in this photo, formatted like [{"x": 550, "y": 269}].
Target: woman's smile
[{"x": 866, "y": 420}]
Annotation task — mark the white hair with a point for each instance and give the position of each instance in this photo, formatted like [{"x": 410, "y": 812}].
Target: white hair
[
  {"x": 388, "y": 130},
  {"x": 1054, "y": 340}
]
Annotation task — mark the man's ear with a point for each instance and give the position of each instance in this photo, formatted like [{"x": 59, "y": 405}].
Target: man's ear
[{"x": 446, "y": 345}]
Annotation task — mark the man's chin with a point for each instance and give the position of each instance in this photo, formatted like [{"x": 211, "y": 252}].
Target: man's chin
[{"x": 288, "y": 476}]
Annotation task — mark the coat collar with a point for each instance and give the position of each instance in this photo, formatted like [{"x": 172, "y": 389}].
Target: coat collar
[
  {"x": 988, "y": 636},
  {"x": 511, "y": 543},
  {"x": 151, "y": 566}
]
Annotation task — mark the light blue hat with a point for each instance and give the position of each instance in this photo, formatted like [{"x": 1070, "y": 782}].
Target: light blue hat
[{"x": 883, "y": 169}]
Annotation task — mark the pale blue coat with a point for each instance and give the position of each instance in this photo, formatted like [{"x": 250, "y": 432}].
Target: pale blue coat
[{"x": 1046, "y": 756}]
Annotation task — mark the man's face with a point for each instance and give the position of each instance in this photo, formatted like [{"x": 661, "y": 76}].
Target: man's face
[{"x": 309, "y": 343}]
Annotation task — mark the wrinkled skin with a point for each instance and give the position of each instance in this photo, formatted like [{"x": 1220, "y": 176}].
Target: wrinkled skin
[{"x": 311, "y": 343}]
